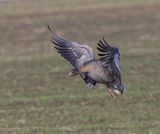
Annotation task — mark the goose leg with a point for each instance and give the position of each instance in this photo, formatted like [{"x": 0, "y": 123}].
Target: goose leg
[{"x": 112, "y": 93}]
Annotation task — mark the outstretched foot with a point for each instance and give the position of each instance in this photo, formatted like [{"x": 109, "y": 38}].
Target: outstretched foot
[{"x": 73, "y": 72}]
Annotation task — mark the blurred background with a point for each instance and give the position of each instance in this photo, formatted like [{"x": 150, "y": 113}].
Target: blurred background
[{"x": 37, "y": 96}]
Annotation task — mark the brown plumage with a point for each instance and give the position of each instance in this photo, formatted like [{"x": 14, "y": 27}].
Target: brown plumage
[{"x": 105, "y": 70}]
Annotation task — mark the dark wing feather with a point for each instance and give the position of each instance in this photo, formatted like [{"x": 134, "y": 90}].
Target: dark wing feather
[
  {"x": 77, "y": 54},
  {"x": 110, "y": 57},
  {"x": 107, "y": 52}
]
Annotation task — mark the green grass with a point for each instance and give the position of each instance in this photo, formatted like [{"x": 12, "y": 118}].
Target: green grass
[{"x": 37, "y": 96}]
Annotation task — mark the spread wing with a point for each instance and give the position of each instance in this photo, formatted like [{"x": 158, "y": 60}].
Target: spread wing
[
  {"x": 77, "y": 54},
  {"x": 110, "y": 56}
]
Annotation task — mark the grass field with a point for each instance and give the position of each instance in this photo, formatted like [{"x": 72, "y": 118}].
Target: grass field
[{"x": 37, "y": 96}]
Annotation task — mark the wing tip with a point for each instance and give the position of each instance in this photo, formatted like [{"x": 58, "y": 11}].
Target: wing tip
[
  {"x": 49, "y": 28},
  {"x": 106, "y": 42}
]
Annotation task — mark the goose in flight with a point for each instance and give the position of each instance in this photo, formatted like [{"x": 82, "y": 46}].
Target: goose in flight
[{"x": 105, "y": 70}]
